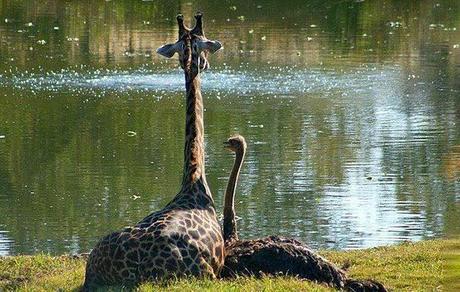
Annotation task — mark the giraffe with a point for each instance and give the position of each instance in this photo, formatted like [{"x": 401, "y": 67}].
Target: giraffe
[
  {"x": 184, "y": 238},
  {"x": 275, "y": 255}
]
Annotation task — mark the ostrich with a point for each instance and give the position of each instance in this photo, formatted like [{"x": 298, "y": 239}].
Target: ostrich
[{"x": 275, "y": 255}]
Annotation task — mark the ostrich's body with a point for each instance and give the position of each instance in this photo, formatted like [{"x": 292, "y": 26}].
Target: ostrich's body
[
  {"x": 275, "y": 255},
  {"x": 184, "y": 238}
]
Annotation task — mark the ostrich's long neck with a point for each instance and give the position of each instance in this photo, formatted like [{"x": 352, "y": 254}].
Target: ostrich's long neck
[
  {"x": 194, "y": 134},
  {"x": 230, "y": 229}
]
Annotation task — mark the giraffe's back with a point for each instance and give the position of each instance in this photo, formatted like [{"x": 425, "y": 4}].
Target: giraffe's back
[{"x": 176, "y": 241}]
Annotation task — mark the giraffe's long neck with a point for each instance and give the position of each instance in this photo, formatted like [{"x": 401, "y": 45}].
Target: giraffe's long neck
[
  {"x": 194, "y": 134},
  {"x": 230, "y": 228}
]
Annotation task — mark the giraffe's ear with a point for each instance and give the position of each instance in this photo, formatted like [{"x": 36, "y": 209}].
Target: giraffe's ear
[
  {"x": 168, "y": 50},
  {"x": 210, "y": 46}
]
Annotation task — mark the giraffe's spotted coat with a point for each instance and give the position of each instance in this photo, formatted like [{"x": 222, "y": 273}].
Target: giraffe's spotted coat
[{"x": 178, "y": 240}]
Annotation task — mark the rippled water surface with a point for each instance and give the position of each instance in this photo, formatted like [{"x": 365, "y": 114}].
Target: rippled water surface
[{"x": 351, "y": 110}]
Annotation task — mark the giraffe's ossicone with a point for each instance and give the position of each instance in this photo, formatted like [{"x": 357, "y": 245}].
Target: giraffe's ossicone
[{"x": 184, "y": 238}]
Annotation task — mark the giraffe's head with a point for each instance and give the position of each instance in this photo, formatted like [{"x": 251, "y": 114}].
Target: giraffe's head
[
  {"x": 236, "y": 143},
  {"x": 193, "y": 47}
]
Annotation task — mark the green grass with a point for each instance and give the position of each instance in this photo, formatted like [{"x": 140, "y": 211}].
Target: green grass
[
  {"x": 423, "y": 266},
  {"x": 451, "y": 265}
]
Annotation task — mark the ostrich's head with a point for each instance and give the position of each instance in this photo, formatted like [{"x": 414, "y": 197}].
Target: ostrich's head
[
  {"x": 193, "y": 47},
  {"x": 236, "y": 143}
]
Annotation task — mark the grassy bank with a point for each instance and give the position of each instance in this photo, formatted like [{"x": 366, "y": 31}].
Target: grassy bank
[{"x": 422, "y": 266}]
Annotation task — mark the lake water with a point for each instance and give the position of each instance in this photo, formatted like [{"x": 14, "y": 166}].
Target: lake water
[{"x": 351, "y": 110}]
